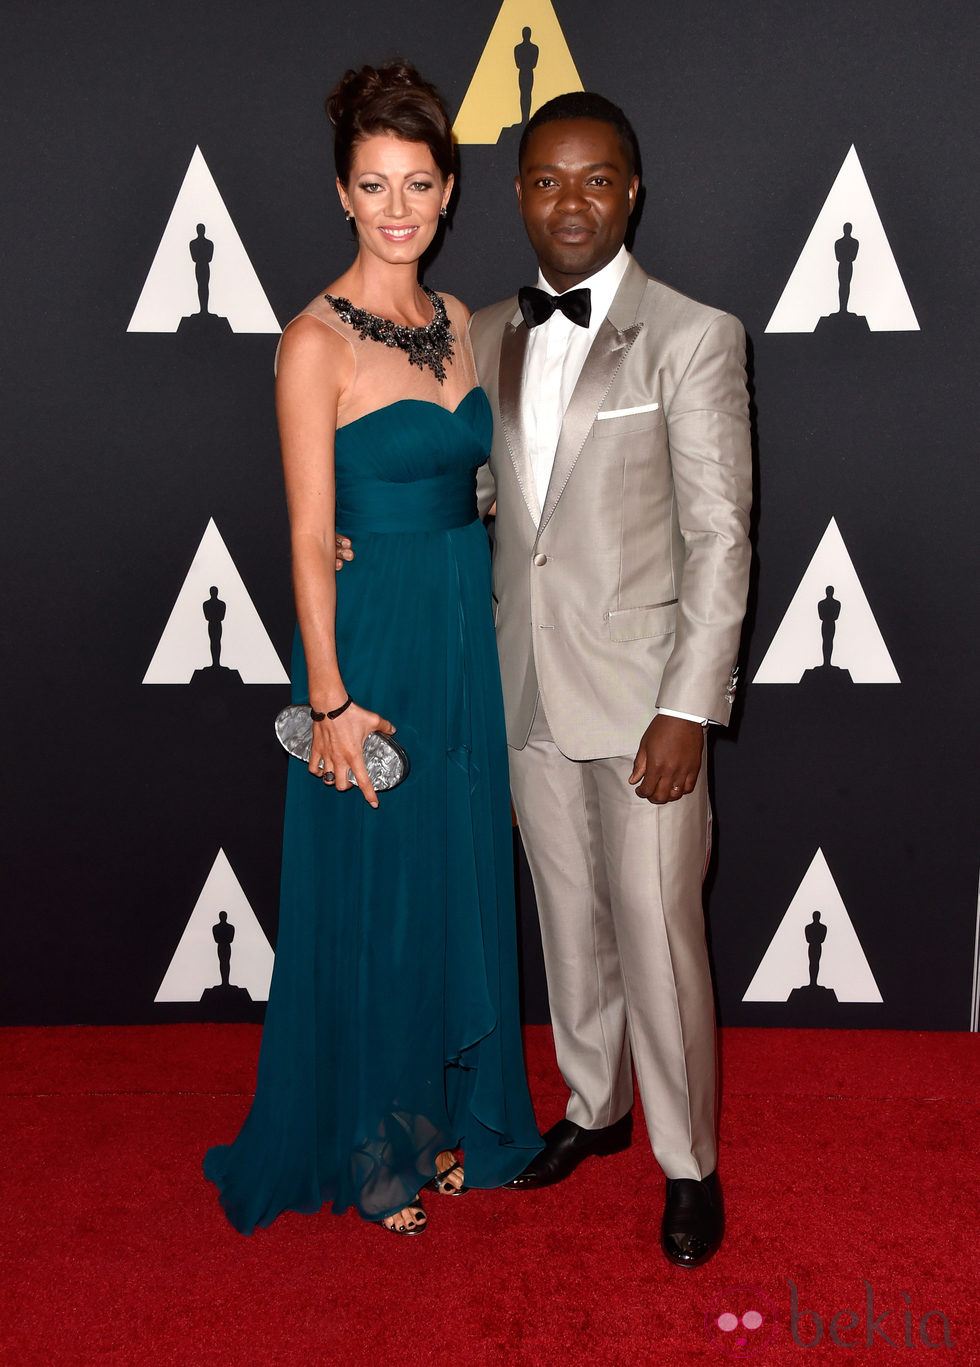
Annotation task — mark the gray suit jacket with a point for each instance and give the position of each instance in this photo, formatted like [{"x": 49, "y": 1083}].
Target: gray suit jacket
[{"x": 626, "y": 591}]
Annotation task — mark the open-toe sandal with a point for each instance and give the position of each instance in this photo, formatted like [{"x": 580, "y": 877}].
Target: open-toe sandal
[
  {"x": 444, "y": 1188},
  {"x": 414, "y": 1211}
]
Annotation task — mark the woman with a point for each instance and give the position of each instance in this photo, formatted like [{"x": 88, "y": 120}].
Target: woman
[{"x": 392, "y": 1035}]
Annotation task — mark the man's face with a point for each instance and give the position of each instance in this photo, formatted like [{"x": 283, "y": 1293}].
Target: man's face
[{"x": 576, "y": 194}]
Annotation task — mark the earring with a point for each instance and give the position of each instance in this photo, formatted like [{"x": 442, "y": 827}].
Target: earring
[
  {"x": 444, "y": 212},
  {"x": 349, "y": 216}
]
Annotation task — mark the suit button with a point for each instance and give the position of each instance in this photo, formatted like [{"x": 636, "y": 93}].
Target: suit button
[{"x": 540, "y": 559}]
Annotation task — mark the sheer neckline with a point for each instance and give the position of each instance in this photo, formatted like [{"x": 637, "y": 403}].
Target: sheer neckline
[
  {"x": 340, "y": 301},
  {"x": 430, "y": 344}
]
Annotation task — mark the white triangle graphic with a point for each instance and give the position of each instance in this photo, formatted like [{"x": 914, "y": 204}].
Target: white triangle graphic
[
  {"x": 195, "y": 967},
  {"x": 843, "y": 964},
  {"x": 858, "y": 645},
  {"x": 877, "y": 291},
  {"x": 170, "y": 292},
  {"x": 185, "y": 645}
]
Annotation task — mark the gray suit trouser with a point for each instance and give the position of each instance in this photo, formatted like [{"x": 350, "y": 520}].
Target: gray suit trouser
[{"x": 617, "y": 881}]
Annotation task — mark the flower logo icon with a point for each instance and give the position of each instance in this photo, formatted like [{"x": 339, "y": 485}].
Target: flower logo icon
[{"x": 740, "y": 1321}]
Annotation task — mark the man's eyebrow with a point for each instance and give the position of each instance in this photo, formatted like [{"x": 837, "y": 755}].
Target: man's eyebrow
[{"x": 595, "y": 166}]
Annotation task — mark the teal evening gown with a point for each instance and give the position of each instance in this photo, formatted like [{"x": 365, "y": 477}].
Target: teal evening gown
[{"x": 392, "y": 1028}]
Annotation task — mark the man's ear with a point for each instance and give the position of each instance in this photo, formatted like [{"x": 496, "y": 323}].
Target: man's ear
[{"x": 517, "y": 187}]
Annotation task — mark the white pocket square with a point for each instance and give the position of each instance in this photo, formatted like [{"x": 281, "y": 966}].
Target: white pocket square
[{"x": 628, "y": 412}]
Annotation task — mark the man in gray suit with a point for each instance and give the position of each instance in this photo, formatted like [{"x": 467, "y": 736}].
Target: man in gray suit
[{"x": 622, "y": 478}]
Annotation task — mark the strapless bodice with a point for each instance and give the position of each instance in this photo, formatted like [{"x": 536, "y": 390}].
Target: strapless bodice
[{"x": 410, "y": 466}]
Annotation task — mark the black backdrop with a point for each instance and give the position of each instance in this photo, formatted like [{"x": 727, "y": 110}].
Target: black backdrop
[{"x": 120, "y": 446}]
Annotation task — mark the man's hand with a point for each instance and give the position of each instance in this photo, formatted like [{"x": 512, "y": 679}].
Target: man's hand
[
  {"x": 344, "y": 551},
  {"x": 668, "y": 761}
]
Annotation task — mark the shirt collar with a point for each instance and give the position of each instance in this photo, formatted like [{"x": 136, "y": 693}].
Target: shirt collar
[{"x": 603, "y": 285}]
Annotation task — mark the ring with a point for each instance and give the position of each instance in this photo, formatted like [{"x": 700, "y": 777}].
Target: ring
[
  {"x": 675, "y": 788},
  {"x": 328, "y": 777},
  {"x": 320, "y": 765}
]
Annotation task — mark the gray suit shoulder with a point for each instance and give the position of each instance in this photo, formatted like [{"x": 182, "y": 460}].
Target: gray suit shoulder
[
  {"x": 680, "y": 312},
  {"x": 492, "y": 318}
]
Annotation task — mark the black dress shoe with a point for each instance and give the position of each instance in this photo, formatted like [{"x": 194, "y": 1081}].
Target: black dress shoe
[
  {"x": 565, "y": 1145},
  {"x": 693, "y": 1220}
]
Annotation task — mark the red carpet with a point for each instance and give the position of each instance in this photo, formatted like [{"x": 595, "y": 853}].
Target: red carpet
[{"x": 850, "y": 1166}]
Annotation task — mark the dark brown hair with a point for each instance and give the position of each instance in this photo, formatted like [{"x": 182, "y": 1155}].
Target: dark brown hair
[
  {"x": 389, "y": 99},
  {"x": 584, "y": 104}
]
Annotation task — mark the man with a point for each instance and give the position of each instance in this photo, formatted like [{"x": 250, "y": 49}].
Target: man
[{"x": 622, "y": 477}]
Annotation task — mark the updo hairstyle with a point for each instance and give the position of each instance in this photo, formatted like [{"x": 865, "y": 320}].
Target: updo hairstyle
[{"x": 389, "y": 99}]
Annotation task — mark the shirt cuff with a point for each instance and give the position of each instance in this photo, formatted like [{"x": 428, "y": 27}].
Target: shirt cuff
[{"x": 684, "y": 716}]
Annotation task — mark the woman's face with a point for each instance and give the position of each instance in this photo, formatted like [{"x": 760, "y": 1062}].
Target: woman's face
[{"x": 395, "y": 193}]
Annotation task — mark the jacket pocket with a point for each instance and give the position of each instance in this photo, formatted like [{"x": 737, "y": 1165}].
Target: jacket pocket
[
  {"x": 624, "y": 422},
  {"x": 643, "y": 623}
]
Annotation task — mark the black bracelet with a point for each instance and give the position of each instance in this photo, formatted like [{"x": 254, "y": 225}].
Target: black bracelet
[{"x": 320, "y": 716}]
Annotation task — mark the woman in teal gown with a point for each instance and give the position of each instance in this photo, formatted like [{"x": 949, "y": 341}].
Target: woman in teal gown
[{"x": 392, "y": 1035}]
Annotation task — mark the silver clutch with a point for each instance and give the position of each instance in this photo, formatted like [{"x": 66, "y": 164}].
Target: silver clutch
[{"x": 385, "y": 760}]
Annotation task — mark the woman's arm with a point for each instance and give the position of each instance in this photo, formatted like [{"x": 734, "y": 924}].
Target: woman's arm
[{"x": 315, "y": 369}]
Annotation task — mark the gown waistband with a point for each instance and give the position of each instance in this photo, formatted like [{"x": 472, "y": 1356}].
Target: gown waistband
[{"x": 422, "y": 505}]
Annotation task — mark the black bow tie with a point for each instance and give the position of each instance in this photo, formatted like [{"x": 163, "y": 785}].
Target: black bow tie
[{"x": 537, "y": 306}]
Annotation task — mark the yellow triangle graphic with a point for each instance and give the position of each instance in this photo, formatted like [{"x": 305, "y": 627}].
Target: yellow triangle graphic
[{"x": 493, "y": 100}]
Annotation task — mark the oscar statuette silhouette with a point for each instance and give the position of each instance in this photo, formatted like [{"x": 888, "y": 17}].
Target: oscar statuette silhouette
[{"x": 224, "y": 999}]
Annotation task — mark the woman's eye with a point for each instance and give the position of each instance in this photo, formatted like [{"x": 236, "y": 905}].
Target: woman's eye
[
  {"x": 421, "y": 185},
  {"x": 371, "y": 187}
]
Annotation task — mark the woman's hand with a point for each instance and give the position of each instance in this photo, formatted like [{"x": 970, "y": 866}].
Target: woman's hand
[
  {"x": 344, "y": 551},
  {"x": 338, "y": 747}
]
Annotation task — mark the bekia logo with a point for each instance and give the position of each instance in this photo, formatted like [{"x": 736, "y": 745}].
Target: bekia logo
[
  {"x": 214, "y": 635},
  {"x": 829, "y": 636},
  {"x": 201, "y": 281},
  {"x": 741, "y": 1322},
  {"x": 846, "y": 279},
  {"x": 525, "y": 63},
  {"x": 896, "y": 1334},
  {"x": 223, "y": 957},
  {"x": 815, "y": 958}
]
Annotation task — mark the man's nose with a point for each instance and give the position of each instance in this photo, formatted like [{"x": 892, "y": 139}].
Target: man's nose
[{"x": 571, "y": 200}]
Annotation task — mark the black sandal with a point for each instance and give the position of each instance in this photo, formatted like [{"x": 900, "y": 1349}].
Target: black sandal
[
  {"x": 418, "y": 1228},
  {"x": 444, "y": 1188}
]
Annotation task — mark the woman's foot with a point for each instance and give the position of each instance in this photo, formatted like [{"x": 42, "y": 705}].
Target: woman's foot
[
  {"x": 449, "y": 1179},
  {"x": 410, "y": 1220}
]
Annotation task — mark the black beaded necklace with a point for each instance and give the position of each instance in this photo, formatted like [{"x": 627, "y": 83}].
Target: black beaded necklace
[{"x": 430, "y": 345}]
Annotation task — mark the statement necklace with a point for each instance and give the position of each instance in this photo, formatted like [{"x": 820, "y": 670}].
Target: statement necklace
[{"x": 430, "y": 345}]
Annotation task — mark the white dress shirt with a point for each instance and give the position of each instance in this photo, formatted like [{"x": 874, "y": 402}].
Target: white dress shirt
[{"x": 553, "y": 359}]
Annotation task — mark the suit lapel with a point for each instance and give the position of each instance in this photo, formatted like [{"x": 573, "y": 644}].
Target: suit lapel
[
  {"x": 512, "y": 348},
  {"x": 611, "y": 346}
]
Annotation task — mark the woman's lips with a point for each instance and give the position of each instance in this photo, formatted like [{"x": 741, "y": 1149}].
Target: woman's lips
[{"x": 399, "y": 234}]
